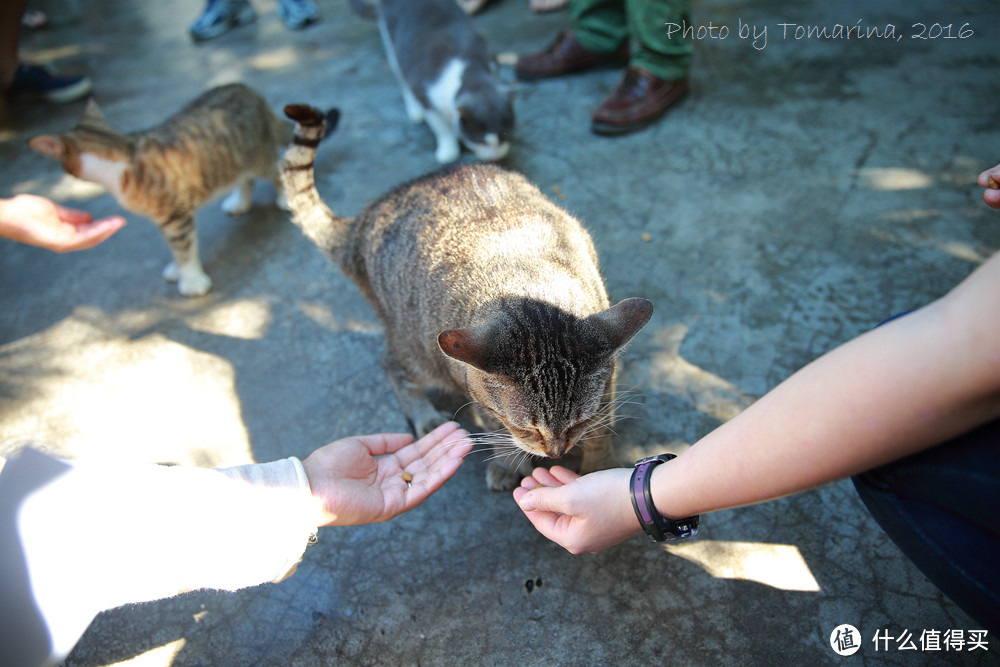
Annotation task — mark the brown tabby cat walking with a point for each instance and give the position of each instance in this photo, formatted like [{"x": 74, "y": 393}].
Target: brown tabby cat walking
[
  {"x": 477, "y": 263},
  {"x": 227, "y": 137}
]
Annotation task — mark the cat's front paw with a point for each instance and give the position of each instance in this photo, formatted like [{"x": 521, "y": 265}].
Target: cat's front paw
[
  {"x": 194, "y": 285},
  {"x": 236, "y": 203},
  {"x": 447, "y": 152},
  {"x": 415, "y": 113},
  {"x": 501, "y": 478}
]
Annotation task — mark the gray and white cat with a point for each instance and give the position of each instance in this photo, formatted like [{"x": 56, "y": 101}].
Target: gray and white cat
[
  {"x": 224, "y": 139},
  {"x": 446, "y": 73},
  {"x": 488, "y": 292}
]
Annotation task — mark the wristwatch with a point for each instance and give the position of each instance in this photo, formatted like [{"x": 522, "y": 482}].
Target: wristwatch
[{"x": 655, "y": 525}]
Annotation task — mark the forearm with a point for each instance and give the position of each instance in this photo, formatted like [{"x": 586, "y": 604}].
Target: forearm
[{"x": 903, "y": 387}]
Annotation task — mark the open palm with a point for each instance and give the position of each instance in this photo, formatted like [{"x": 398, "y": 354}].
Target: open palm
[{"x": 361, "y": 479}]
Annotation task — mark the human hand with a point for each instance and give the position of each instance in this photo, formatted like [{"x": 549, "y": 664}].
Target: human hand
[
  {"x": 360, "y": 479},
  {"x": 41, "y": 222},
  {"x": 990, "y": 179},
  {"x": 581, "y": 514}
]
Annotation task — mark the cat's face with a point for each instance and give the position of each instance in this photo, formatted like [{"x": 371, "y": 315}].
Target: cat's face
[
  {"x": 486, "y": 123},
  {"x": 543, "y": 373},
  {"x": 91, "y": 137},
  {"x": 551, "y": 419}
]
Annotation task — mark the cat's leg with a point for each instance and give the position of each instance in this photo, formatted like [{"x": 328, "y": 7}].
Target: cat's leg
[
  {"x": 417, "y": 407},
  {"x": 180, "y": 234},
  {"x": 239, "y": 200},
  {"x": 280, "y": 198},
  {"x": 414, "y": 110},
  {"x": 448, "y": 149}
]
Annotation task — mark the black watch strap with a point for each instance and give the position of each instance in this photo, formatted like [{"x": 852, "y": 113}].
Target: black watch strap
[{"x": 652, "y": 522}]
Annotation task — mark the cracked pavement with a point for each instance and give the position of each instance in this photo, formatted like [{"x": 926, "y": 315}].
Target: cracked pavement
[{"x": 800, "y": 195}]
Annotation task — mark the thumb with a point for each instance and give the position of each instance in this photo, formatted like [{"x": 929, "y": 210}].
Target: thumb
[{"x": 544, "y": 499}]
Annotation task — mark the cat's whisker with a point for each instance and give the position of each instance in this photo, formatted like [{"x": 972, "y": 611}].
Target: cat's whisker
[{"x": 454, "y": 415}]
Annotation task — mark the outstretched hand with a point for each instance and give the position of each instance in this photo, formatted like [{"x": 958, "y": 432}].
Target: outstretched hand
[
  {"x": 581, "y": 514},
  {"x": 363, "y": 479},
  {"x": 41, "y": 222}
]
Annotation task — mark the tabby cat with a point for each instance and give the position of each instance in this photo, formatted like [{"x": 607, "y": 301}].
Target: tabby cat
[
  {"x": 226, "y": 137},
  {"x": 446, "y": 74},
  {"x": 487, "y": 291}
]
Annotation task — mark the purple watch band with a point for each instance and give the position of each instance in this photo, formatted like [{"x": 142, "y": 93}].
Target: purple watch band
[
  {"x": 642, "y": 508},
  {"x": 653, "y": 524}
]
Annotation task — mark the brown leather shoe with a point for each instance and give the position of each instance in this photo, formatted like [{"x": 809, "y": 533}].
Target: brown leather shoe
[
  {"x": 564, "y": 56},
  {"x": 638, "y": 100}
]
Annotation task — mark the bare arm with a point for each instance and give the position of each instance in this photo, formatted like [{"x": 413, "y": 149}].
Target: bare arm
[
  {"x": 903, "y": 387},
  {"x": 893, "y": 391}
]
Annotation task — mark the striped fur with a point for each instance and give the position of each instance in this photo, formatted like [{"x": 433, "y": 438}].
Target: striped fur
[
  {"x": 476, "y": 263},
  {"x": 224, "y": 139}
]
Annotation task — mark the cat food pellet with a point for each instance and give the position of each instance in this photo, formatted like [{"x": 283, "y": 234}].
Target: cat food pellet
[
  {"x": 407, "y": 477},
  {"x": 536, "y": 486},
  {"x": 993, "y": 184},
  {"x": 646, "y": 237},
  {"x": 562, "y": 196},
  {"x": 555, "y": 189}
]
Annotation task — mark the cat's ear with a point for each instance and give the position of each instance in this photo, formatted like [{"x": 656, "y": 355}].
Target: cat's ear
[
  {"x": 48, "y": 145},
  {"x": 92, "y": 115},
  {"x": 622, "y": 321},
  {"x": 470, "y": 346}
]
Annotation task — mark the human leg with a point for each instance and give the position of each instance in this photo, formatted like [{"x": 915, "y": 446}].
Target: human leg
[
  {"x": 11, "y": 12},
  {"x": 599, "y": 25},
  {"x": 599, "y": 38},
  {"x": 658, "y": 68},
  {"x": 666, "y": 55},
  {"x": 942, "y": 509}
]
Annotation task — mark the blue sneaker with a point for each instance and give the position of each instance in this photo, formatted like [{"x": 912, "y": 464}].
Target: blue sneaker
[
  {"x": 220, "y": 16},
  {"x": 40, "y": 83},
  {"x": 298, "y": 14}
]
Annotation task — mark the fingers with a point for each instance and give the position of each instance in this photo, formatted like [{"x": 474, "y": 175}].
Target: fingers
[
  {"x": 430, "y": 461},
  {"x": 445, "y": 442},
  {"x": 541, "y": 492},
  {"x": 990, "y": 178},
  {"x": 73, "y": 216},
  {"x": 992, "y": 198},
  {"x": 89, "y": 234}
]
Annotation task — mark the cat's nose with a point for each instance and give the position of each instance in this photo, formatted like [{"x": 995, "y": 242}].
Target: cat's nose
[{"x": 557, "y": 448}]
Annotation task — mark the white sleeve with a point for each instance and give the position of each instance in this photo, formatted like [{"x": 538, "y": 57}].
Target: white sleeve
[{"x": 100, "y": 536}]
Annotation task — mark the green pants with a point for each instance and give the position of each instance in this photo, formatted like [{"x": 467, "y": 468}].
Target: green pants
[{"x": 606, "y": 25}]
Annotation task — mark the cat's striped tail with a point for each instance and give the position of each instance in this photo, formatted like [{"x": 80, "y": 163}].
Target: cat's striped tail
[{"x": 309, "y": 212}]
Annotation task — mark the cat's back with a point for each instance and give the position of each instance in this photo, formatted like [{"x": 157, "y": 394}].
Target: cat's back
[
  {"x": 234, "y": 111},
  {"x": 477, "y": 232},
  {"x": 427, "y": 34},
  {"x": 226, "y": 132}
]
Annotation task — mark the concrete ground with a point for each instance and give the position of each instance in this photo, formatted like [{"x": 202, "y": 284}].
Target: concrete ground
[{"x": 806, "y": 190}]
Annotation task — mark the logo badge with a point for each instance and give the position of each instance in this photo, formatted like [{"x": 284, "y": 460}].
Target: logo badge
[{"x": 845, "y": 639}]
